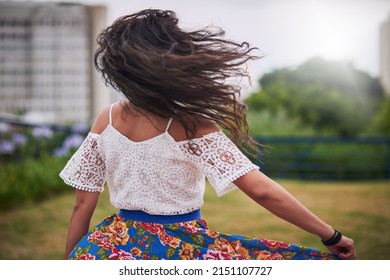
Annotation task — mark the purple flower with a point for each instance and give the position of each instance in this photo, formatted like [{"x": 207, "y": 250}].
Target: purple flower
[
  {"x": 61, "y": 152},
  {"x": 79, "y": 127},
  {"x": 73, "y": 141},
  {"x": 19, "y": 139},
  {"x": 6, "y": 147},
  {"x": 42, "y": 132}
]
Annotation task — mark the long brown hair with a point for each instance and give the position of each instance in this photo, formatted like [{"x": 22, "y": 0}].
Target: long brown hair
[{"x": 168, "y": 72}]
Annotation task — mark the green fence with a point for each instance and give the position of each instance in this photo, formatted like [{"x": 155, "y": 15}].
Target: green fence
[{"x": 325, "y": 158}]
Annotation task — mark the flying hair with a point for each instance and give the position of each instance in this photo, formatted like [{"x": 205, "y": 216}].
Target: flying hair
[{"x": 169, "y": 72}]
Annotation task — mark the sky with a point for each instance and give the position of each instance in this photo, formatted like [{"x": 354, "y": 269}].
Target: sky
[{"x": 287, "y": 32}]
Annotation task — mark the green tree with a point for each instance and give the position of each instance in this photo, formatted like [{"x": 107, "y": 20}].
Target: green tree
[
  {"x": 330, "y": 96},
  {"x": 382, "y": 119}
]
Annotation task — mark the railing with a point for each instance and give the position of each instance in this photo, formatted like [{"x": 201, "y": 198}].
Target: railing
[
  {"x": 16, "y": 121},
  {"x": 326, "y": 158}
]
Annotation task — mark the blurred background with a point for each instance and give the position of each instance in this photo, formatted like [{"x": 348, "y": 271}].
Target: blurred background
[{"x": 319, "y": 101}]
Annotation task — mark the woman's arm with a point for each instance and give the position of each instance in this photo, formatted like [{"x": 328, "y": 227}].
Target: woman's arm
[
  {"x": 85, "y": 201},
  {"x": 280, "y": 202},
  {"x": 81, "y": 216}
]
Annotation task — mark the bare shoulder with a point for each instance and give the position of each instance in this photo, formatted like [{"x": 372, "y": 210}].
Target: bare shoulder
[
  {"x": 205, "y": 127},
  {"x": 101, "y": 121}
]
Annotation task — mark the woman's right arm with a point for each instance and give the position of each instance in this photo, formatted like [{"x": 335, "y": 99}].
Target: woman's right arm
[
  {"x": 85, "y": 201},
  {"x": 81, "y": 216}
]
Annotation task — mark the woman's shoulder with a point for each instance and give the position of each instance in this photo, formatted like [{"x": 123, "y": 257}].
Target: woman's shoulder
[
  {"x": 101, "y": 121},
  {"x": 204, "y": 127}
]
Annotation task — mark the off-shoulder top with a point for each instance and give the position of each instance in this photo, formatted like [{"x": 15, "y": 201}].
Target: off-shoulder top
[{"x": 159, "y": 175}]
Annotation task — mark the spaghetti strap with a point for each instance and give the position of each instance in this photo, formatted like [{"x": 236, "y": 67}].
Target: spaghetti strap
[
  {"x": 110, "y": 116},
  {"x": 169, "y": 124}
]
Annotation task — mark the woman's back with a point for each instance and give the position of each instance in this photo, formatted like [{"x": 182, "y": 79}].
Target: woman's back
[{"x": 139, "y": 126}]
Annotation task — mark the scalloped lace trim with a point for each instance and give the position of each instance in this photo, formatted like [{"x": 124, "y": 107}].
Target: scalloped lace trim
[
  {"x": 229, "y": 186},
  {"x": 74, "y": 185},
  {"x": 86, "y": 169}
]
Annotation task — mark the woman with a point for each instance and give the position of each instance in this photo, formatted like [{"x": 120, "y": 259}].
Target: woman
[{"x": 155, "y": 148}]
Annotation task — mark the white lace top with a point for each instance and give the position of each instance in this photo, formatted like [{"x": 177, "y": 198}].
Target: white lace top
[{"x": 158, "y": 175}]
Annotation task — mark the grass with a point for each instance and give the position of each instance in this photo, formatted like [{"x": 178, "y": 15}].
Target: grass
[{"x": 358, "y": 209}]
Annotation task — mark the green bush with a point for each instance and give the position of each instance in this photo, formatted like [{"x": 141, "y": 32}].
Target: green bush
[{"x": 30, "y": 181}]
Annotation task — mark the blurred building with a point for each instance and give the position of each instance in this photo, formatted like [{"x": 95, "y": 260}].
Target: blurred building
[
  {"x": 46, "y": 67},
  {"x": 385, "y": 55}
]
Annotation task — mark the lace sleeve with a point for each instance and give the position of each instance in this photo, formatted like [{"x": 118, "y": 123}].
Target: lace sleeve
[
  {"x": 86, "y": 169},
  {"x": 223, "y": 162}
]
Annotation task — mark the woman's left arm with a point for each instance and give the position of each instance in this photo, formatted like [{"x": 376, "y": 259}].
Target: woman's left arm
[{"x": 280, "y": 202}]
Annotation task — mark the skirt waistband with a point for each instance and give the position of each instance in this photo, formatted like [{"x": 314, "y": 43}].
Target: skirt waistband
[{"x": 142, "y": 216}]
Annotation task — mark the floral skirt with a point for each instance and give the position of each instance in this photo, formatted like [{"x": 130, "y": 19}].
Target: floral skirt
[{"x": 132, "y": 235}]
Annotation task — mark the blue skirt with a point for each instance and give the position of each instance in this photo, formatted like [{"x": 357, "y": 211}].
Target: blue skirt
[{"x": 133, "y": 235}]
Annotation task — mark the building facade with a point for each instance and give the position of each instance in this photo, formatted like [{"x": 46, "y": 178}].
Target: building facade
[{"x": 47, "y": 73}]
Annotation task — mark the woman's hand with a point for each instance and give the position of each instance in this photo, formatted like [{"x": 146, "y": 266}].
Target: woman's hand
[{"x": 345, "y": 248}]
